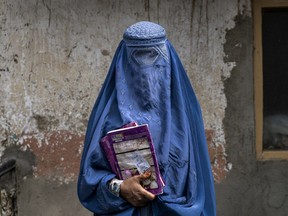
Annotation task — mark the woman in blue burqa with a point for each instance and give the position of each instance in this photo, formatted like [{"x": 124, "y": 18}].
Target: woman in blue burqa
[{"x": 147, "y": 84}]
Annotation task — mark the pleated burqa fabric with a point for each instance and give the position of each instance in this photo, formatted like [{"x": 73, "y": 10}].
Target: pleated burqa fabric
[{"x": 147, "y": 83}]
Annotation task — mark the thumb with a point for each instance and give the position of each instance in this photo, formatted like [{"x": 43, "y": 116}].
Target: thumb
[{"x": 144, "y": 176}]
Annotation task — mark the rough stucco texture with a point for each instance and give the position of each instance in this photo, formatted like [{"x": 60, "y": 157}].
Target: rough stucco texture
[
  {"x": 252, "y": 188},
  {"x": 54, "y": 58}
]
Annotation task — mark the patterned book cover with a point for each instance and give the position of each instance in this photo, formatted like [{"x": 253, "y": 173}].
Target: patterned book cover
[{"x": 130, "y": 151}]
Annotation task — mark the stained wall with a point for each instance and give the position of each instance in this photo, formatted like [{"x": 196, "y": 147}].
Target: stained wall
[{"x": 54, "y": 58}]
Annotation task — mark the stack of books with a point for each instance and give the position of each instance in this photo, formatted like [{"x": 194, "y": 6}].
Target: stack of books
[{"x": 130, "y": 151}]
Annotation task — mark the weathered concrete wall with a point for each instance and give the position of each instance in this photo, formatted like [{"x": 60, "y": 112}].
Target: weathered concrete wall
[
  {"x": 252, "y": 187},
  {"x": 54, "y": 58}
]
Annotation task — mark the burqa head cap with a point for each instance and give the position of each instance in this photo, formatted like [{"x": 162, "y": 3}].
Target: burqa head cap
[{"x": 144, "y": 33}]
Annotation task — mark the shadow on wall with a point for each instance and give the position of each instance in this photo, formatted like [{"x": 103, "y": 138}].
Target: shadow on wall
[
  {"x": 8, "y": 188},
  {"x": 15, "y": 164}
]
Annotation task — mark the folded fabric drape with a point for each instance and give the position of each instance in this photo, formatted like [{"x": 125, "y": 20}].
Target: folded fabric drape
[{"x": 147, "y": 83}]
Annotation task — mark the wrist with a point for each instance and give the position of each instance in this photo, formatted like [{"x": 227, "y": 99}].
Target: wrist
[{"x": 115, "y": 186}]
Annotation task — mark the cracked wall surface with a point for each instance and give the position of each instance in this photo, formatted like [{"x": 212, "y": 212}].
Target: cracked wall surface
[
  {"x": 54, "y": 58},
  {"x": 252, "y": 187},
  {"x": 55, "y": 55}
]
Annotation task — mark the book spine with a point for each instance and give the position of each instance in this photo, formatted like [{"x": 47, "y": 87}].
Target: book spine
[{"x": 109, "y": 151}]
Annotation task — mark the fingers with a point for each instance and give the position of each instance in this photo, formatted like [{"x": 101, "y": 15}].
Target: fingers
[
  {"x": 141, "y": 198},
  {"x": 147, "y": 174},
  {"x": 144, "y": 176},
  {"x": 147, "y": 194},
  {"x": 132, "y": 190}
]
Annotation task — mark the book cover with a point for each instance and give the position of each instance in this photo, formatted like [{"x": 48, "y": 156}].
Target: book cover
[{"x": 130, "y": 151}]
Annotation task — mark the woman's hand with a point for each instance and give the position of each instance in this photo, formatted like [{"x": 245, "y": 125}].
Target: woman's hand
[{"x": 132, "y": 191}]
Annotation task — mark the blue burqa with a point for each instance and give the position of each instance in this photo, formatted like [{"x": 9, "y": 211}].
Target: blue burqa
[{"x": 147, "y": 83}]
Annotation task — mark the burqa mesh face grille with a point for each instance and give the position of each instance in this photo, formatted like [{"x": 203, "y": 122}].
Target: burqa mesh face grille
[{"x": 146, "y": 56}]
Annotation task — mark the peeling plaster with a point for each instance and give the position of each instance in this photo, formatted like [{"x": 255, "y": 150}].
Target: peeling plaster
[
  {"x": 56, "y": 55},
  {"x": 208, "y": 69},
  {"x": 54, "y": 59}
]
